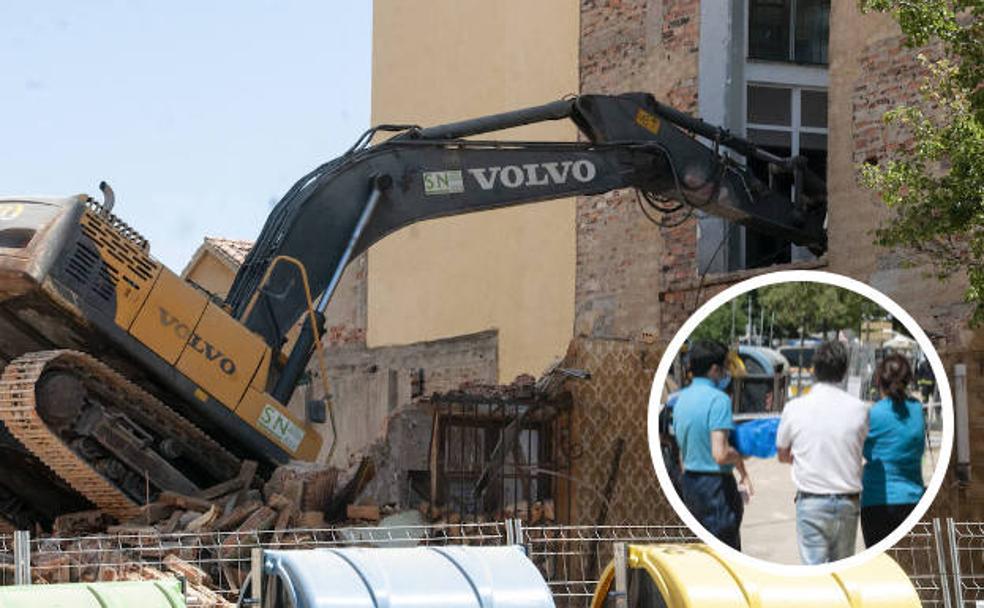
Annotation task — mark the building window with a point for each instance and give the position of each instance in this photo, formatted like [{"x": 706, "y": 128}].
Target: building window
[
  {"x": 789, "y": 30},
  {"x": 776, "y": 97},
  {"x": 787, "y": 121},
  {"x": 498, "y": 459},
  {"x": 476, "y": 478}
]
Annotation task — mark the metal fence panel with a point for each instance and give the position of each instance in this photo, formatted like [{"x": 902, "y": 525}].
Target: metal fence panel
[
  {"x": 966, "y": 540},
  {"x": 921, "y": 553},
  {"x": 572, "y": 558},
  {"x": 939, "y": 559}
]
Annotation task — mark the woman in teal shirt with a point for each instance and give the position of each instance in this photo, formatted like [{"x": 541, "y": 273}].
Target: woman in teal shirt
[{"x": 893, "y": 451}]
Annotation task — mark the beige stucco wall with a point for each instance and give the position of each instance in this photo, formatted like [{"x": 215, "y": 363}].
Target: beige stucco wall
[
  {"x": 511, "y": 269},
  {"x": 211, "y": 273}
]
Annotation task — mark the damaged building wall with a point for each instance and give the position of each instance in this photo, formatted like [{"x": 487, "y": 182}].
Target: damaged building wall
[
  {"x": 634, "y": 279},
  {"x": 871, "y": 71},
  {"x": 627, "y": 267},
  {"x": 623, "y": 259},
  {"x": 373, "y": 390},
  {"x": 585, "y": 459}
]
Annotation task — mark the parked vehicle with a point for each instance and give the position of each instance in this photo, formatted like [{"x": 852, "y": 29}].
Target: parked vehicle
[
  {"x": 801, "y": 368},
  {"x": 762, "y": 389}
]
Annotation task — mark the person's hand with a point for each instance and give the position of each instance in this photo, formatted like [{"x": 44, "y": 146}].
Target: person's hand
[{"x": 745, "y": 484}]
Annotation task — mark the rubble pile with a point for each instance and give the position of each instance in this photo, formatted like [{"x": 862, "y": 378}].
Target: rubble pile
[
  {"x": 216, "y": 529},
  {"x": 537, "y": 513},
  {"x": 295, "y": 496},
  {"x": 207, "y": 538}
]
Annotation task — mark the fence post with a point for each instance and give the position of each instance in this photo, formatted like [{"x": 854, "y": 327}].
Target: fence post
[
  {"x": 941, "y": 563},
  {"x": 620, "y": 558},
  {"x": 256, "y": 576},
  {"x": 518, "y": 534},
  {"x": 951, "y": 532},
  {"x": 22, "y": 557},
  {"x": 510, "y": 532}
]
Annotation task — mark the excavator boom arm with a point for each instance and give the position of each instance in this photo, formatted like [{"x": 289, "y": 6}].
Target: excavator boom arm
[{"x": 631, "y": 142}]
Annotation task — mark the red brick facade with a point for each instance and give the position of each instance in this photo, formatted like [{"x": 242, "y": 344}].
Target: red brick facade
[
  {"x": 628, "y": 268},
  {"x": 636, "y": 279},
  {"x": 893, "y": 74}
]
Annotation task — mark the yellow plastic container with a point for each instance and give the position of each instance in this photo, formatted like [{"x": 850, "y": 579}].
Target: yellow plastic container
[
  {"x": 124, "y": 594},
  {"x": 695, "y": 576}
]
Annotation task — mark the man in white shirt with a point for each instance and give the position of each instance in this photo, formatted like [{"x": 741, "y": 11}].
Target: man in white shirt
[{"x": 822, "y": 435}]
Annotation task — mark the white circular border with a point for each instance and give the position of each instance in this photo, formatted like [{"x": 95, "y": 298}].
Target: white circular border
[{"x": 810, "y": 276}]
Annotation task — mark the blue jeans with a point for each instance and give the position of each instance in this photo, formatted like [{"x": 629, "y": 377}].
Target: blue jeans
[
  {"x": 714, "y": 500},
  {"x": 826, "y": 527}
]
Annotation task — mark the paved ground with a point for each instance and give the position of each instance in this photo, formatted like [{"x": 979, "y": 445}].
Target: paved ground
[{"x": 769, "y": 528}]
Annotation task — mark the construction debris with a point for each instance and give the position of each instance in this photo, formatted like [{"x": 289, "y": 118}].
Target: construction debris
[
  {"x": 206, "y": 537},
  {"x": 197, "y": 591},
  {"x": 236, "y": 511},
  {"x": 363, "y": 512},
  {"x": 82, "y": 522}
]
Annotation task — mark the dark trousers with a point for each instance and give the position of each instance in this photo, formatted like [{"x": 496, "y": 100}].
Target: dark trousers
[
  {"x": 878, "y": 521},
  {"x": 713, "y": 498}
]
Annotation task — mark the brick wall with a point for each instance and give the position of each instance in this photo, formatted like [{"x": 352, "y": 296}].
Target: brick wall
[
  {"x": 892, "y": 75},
  {"x": 345, "y": 318},
  {"x": 633, "y": 277},
  {"x": 871, "y": 72},
  {"x": 626, "y": 264}
]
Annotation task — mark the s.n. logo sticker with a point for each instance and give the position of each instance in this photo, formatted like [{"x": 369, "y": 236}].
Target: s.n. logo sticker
[{"x": 443, "y": 182}]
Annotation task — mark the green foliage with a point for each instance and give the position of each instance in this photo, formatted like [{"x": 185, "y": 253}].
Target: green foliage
[
  {"x": 816, "y": 307},
  {"x": 935, "y": 184},
  {"x": 717, "y": 325},
  {"x": 957, "y": 24}
]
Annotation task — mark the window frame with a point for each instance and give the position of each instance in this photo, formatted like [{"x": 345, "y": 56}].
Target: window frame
[
  {"x": 716, "y": 260},
  {"x": 510, "y": 475},
  {"x": 795, "y": 127},
  {"x": 790, "y": 43}
]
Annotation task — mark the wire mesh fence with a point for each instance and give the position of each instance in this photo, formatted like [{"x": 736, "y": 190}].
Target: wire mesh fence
[
  {"x": 943, "y": 559},
  {"x": 224, "y": 557},
  {"x": 922, "y": 554},
  {"x": 572, "y": 558},
  {"x": 966, "y": 543}
]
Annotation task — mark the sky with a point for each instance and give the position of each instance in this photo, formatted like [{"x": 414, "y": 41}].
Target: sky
[{"x": 200, "y": 115}]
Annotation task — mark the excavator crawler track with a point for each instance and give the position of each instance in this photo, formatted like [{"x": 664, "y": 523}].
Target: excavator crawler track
[{"x": 19, "y": 412}]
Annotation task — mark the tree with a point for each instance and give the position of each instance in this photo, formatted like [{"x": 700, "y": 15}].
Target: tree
[
  {"x": 717, "y": 326},
  {"x": 796, "y": 309},
  {"x": 859, "y": 309},
  {"x": 805, "y": 308},
  {"x": 935, "y": 182}
]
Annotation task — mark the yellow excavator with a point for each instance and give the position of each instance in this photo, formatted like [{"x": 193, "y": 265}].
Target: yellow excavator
[{"x": 121, "y": 380}]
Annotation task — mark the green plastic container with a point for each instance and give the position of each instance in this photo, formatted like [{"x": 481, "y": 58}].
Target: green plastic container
[{"x": 123, "y": 594}]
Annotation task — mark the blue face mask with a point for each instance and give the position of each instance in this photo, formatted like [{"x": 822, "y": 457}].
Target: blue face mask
[{"x": 724, "y": 381}]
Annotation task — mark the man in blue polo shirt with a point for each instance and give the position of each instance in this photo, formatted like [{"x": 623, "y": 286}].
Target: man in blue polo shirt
[{"x": 701, "y": 424}]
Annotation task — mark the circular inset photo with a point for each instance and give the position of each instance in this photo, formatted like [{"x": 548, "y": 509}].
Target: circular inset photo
[{"x": 800, "y": 418}]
